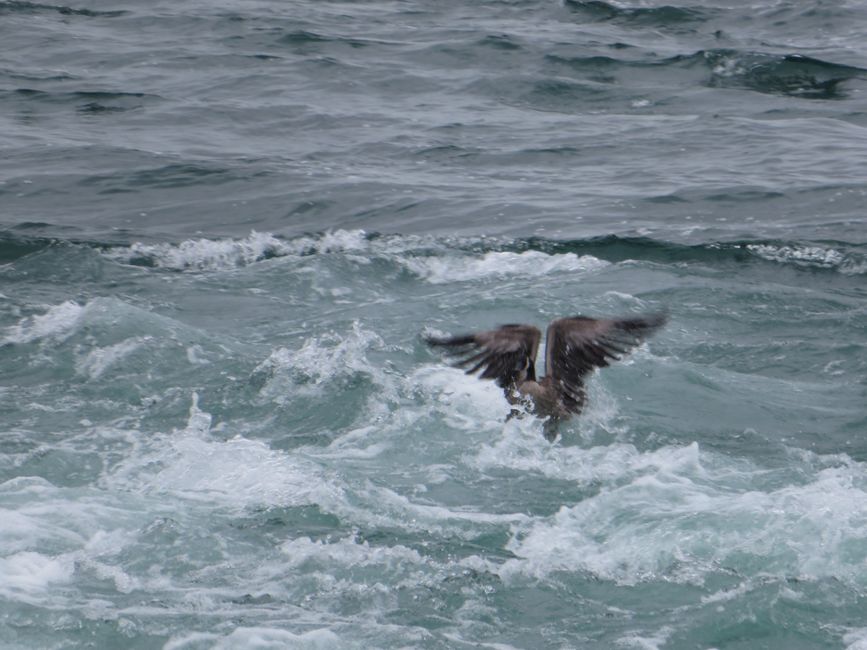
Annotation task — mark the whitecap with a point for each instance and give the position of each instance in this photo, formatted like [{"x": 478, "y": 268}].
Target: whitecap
[
  {"x": 440, "y": 270},
  {"x": 26, "y": 575},
  {"x": 802, "y": 255},
  {"x": 235, "y": 473},
  {"x": 261, "y": 638},
  {"x": 644, "y": 641},
  {"x": 349, "y": 552},
  {"x": 220, "y": 254},
  {"x": 320, "y": 359},
  {"x": 682, "y": 523},
  {"x": 812, "y": 257},
  {"x": 461, "y": 400},
  {"x": 856, "y": 639},
  {"x": 95, "y": 362},
  {"x": 59, "y": 322}
]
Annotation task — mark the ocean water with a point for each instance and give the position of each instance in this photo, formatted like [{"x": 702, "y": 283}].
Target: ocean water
[{"x": 225, "y": 226}]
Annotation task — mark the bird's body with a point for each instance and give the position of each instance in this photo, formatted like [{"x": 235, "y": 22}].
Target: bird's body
[{"x": 574, "y": 348}]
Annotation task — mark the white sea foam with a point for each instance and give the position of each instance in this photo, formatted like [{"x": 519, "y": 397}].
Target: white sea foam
[
  {"x": 680, "y": 523},
  {"x": 260, "y": 638},
  {"x": 116, "y": 318},
  {"x": 320, "y": 359},
  {"x": 95, "y": 362},
  {"x": 216, "y": 254},
  {"x": 804, "y": 255},
  {"x": 811, "y": 256},
  {"x": 347, "y": 552},
  {"x": 646, "y": 642},
  {"x": 856, "y": 639},
  {"x": 200, "y": 254},
  {"x": 234, "y": 473},
  {"x": 26, "y": 575},
  {"x": 440, "y": 270},
  {"x": 85, "y": 530},
  {"x": 57, "y": 323},
  {"x": 399, "y": 508},
  {"x": 462, "y": 401},
  {"x": 598, "y": 465}
]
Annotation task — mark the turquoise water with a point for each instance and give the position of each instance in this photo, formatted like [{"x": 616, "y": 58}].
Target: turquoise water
[
  {"x": 225, "y": 228},
  {"x": 244, "y": 443}
]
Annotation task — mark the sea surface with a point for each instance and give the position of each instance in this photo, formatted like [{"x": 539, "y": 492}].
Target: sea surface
[{"x": 225, "y": 227}]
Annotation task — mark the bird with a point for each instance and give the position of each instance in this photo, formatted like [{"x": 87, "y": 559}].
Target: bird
[{"x": 575, "y": 346}]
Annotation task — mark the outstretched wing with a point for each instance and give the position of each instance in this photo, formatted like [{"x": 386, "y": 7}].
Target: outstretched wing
[
  {"x": 576, "y": 346},
  {"x": 506, "y": 355}
]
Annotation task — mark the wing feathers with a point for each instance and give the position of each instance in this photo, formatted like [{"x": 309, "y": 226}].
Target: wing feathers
[
  {"x": 505, "y": 355},
  {"x": 576, "y": 346}
]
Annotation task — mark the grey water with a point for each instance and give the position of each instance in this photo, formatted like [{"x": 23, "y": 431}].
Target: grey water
[{"x": 225, "y": 226}]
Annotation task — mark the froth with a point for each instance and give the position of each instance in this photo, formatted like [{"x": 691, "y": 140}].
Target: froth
[
  {"x": 215, "y": 254},
  {"x": 811, "y": 256},
  {"x": 438, "y": 270},
  {"x": 235, "y": 473},
  {"x": 97, "y": 361},
  {"x": 27, "y": 574},
  {"x": 262, "y": 638},
  {"x": 856, "y": 639},
  {"x": 682, "y": 522},
  {"x": 611, "y": 464},
  {"x": 320, "y": 359},
  {"x": 462, "y": 400},
  {"x": 347, "y": 552},
  {"x": 57, "y": 323}
]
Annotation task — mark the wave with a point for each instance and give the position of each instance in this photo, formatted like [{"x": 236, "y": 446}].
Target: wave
[
  {"x": 661, "y": 16},
  {"x": 87, "y": 101},
  {"x": 789, "y": 74},
  {"x": 24, "y": 7},
  {"x": 455, "y": 259},
  {"x": 301, "y": 38},
  {"x": 432, "y": 259},
  {"x": 635, "y": 532},
  {"x": 793, "y": 75}
]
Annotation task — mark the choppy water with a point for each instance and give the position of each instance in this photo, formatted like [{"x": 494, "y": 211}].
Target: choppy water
[{"x": 223, "y": 228}]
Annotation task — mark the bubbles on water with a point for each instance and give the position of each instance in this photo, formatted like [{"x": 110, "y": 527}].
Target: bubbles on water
[
  {"x": 644, "y": 641},
  {"x": 812, "y": 257},
  {"x": 681, "y": 521},
  {"x": 237, "y": 472},
  {"x": 347, "y": 552},
  {"x": 29, "y": 576},
  {"x": 431, "y": 259},
  {"x": 202, "y": 254},
  {"x": 362, "y": 476},
  {"x": 440, "y": 270},
  {"x": 262, "y": 638},
  {"x": 802, "y": 255},
  {"x": 96, "y": 361},
  {"x": 222, "y": 254},
  {"x": 856, "y": 639},
  {"x": 462, "y": 400},
  {"x": 57, "y": 323},
  {"x": 321, "y": 359}
]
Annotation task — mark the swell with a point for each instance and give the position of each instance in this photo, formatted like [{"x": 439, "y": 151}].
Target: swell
[
  {"x": 662, "y": 16},
  {"x": 215, "y": 254},
  {"x": 85, "y": 101},
  {"x": 23, "y": 7},
  {"x": 827, "y": 255},
  {"x": 793, "y": 75}
]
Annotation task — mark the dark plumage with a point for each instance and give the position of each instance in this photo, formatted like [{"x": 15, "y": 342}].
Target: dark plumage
[{"x": 576, "y": 346}]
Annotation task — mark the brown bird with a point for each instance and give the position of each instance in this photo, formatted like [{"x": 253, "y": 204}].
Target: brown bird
[{"x": 575, "y": 347}]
